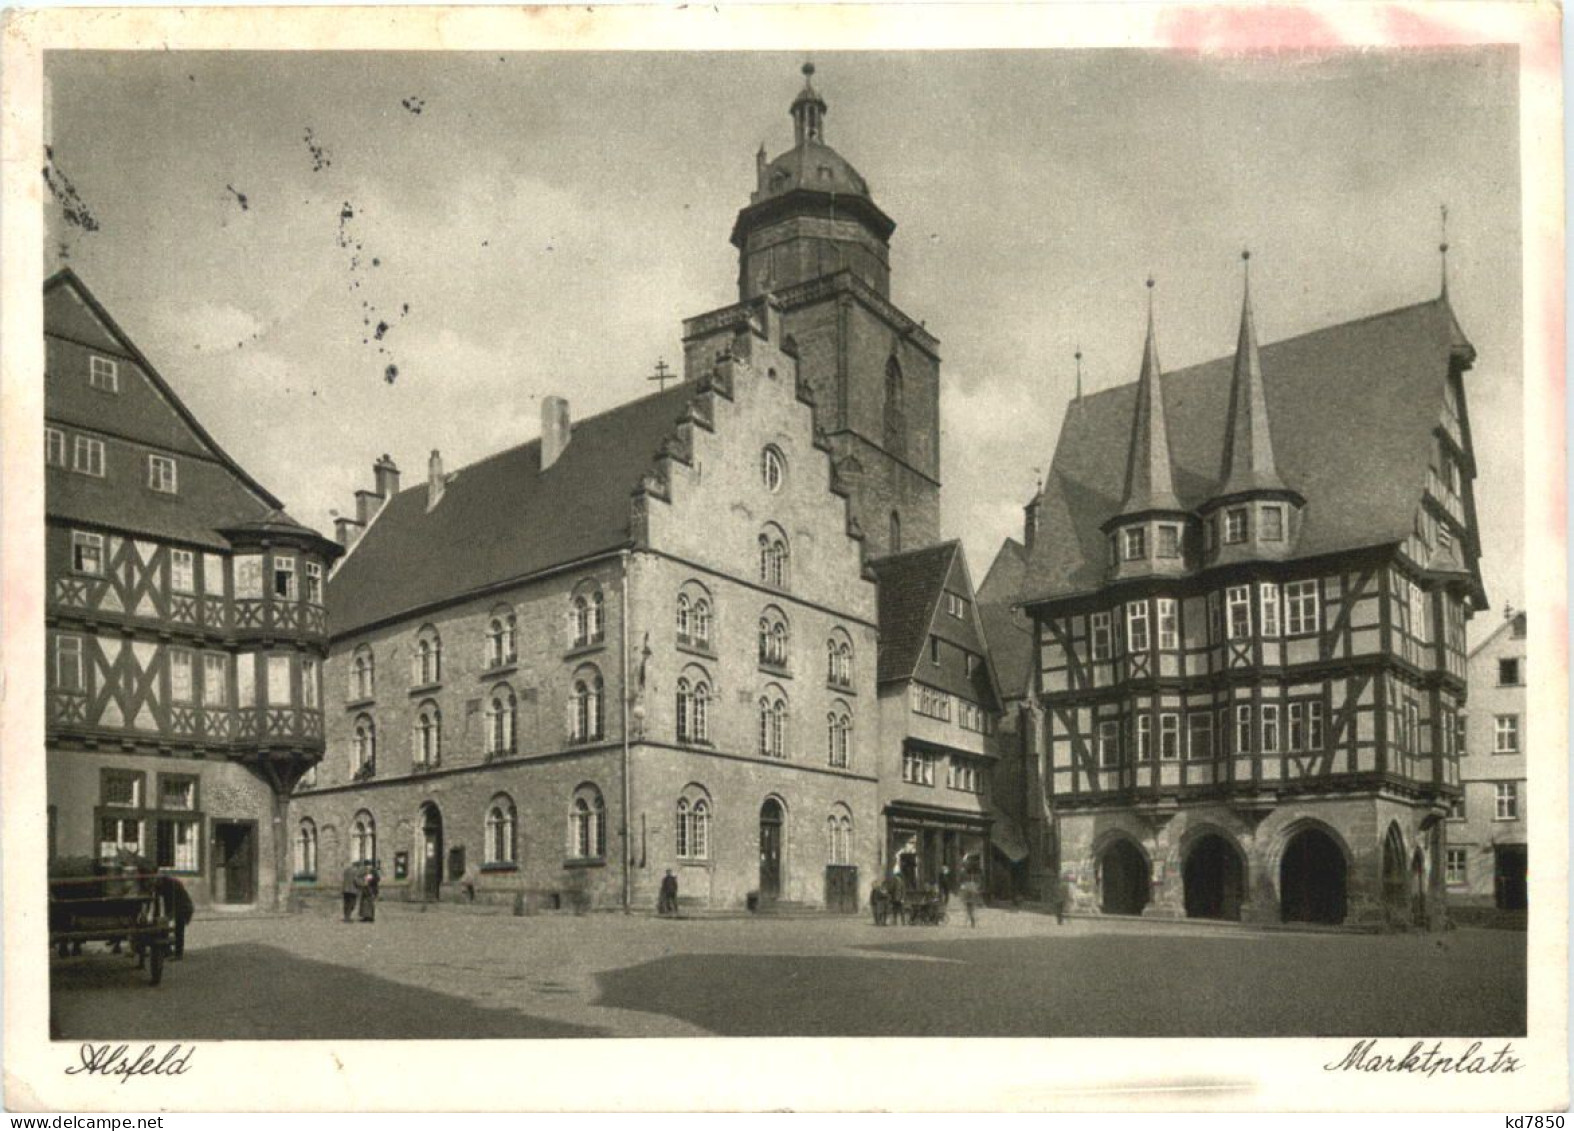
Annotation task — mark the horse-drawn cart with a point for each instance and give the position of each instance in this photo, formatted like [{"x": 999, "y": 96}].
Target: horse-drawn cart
[{"x": 112, "y": 906}]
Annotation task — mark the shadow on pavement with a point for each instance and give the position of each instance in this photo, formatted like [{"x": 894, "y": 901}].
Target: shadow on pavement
[
  {"x": 1096, "y": 986},
  {"x": 252, "y": 992}
]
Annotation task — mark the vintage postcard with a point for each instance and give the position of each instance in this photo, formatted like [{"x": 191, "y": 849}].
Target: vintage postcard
[{"x": 1022, "y": 547}]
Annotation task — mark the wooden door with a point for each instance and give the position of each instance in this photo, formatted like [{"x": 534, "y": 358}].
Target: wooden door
[
  {"x": 841, "y": 888},
  {"x": 432, "y": 855},
  {"x": 770, "y": 850},
  {"x": 235, "y": 861}
]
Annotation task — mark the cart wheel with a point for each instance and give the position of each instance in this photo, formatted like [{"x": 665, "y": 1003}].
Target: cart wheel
[{"x": 155, "y": 963}]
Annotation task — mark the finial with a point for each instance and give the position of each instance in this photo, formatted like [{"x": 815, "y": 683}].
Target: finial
[
  {"x": 1150, "y": 302},
  {"x": 1078, "y": 356},
  {"x": 1442, "y": 246},
  {"x": 808, "y": 70}
]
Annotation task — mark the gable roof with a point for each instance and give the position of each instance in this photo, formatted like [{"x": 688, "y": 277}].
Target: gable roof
[
  {"x": 1353, "y": 408},
  {"x": 1008, "y": 630},
  {"x": 502, "y": 518},
  {"x": 910, "y": 588},
  {"x": 68, "y": 321}
]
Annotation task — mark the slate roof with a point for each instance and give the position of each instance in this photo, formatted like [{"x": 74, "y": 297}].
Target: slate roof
[
  {"x": 910, "y": 588},
  {"x": 503, "y": 518},
  {"x": 1352, "y": 409},
  {"x": 1010, "y": 633}
]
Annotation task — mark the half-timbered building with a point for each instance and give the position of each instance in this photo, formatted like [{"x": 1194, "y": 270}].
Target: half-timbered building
[
  {"x": 1250, "y": 581},
  {"x": 185, "y": 623}
]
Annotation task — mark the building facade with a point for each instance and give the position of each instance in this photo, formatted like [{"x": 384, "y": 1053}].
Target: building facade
[
  {"x": 1488, "y": 839},
  {"x": 648, "y": 641},
  {"x": 939, "y": 712},
  {"x": 185, "y": 622},
  {"x": 1249, "y": 582}
]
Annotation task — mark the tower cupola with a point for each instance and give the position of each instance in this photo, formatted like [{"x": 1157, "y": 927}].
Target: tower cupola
[
  {"x": 1148, "y": 534},
  {"x": 808, "y": 111},
  {"x": 1251, "y": 513}
]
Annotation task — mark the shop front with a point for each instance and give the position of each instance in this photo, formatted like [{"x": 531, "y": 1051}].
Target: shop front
[{"x": 922, "y": 841}]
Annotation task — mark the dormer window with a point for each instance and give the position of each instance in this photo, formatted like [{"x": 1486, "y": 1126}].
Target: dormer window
[
  {"x": 161, "y": 474},
  {"x": 1134, "y": 544},
  {"x": 1235, "y": 525},
  {"x": 1169, "y": 540},
  {"x": 1273, "y": 524},
  {"x": 102, "y": 373}
]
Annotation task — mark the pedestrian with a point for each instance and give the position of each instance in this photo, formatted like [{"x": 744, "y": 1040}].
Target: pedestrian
[
  {"x": 179, "y": 907},
  {"x": 667, "y": 902},
  {"x": 970, "y": 899},
  {"x": 369, "y": 881},
  {"x": 879, "y": 902},
  {"x": 1062, "y": 900},
  {"x": 898, "y": 896},
  {"x": 467, "y": 882},
  {"x": 351, "y": 888},
  {"x": 945, "y": 885}
]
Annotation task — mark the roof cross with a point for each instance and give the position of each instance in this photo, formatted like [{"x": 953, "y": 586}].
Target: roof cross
[{"x": 662, "y": 374}]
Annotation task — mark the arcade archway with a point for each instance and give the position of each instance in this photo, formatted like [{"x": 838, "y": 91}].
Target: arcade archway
[
  {"x": 1313, "y": 879},
  {"x": 1123, "y": 879},
  {"x": 1215, "y": 879}
]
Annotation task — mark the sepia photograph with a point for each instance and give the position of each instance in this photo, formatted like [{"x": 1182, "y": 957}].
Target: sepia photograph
[{"x": 547, "y": 544}]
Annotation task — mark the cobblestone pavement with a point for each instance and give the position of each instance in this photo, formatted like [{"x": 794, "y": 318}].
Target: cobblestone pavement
[{"x": 467, "y": 973}]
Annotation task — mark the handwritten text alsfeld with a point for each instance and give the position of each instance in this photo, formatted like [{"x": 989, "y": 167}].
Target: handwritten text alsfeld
[{"x": 115, "y": 1060}]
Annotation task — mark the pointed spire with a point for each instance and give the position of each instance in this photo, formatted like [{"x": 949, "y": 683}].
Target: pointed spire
[
  {"x": 1150, "y": 484},
  {"x": 1442, "y": 247},
  {"x": 1248, "y": 442},
  {"x": 1079, "y": 373},
  {"x": 808, "y": 111}
]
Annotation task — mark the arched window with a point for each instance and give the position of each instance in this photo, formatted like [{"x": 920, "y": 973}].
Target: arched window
[
  {"x": 693, "y": 825},
  {"x": 428, "y": 735},
  {"x": 500, "y": 647},
  {"x": 773, "y": 468},
  {"x": 365, "y": 746},
  {"x": 587, "y": 617},
  {"x": 773, "y": 557},
  {"x": 587, "y": 824},
  {"x": 427, "y": 663},
  {"x": 839, "y": 837},
  {"x": 500, "y": 709},
  {"x": 839, "y": 660},
  {"x": 774, "y": 637},
  {"x": 895, "y": 415},
  {"x": 838, "y": 735},
  {"x": 694, "y": 616},
  {"x": 362, "y": 682},
  {"x": 693, "y": 704},
  {"x": 773, "y": 723},
  {"x": 306, "y": 850},
  {"x": 501, "y": 820},
  {"x": 896, "y": 533},
  {"x": 585, "y": 707},
  {"x": 363, "y": 838}
]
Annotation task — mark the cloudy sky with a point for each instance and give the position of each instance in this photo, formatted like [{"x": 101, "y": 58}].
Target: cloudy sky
[{"x": 526, "y": 224}]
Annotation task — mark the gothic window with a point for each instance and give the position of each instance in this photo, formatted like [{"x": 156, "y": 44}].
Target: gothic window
[
  {"x": 773, "y": 468},
  {"x": 838, "y": 735},
  {"x": 500, "y": 645},
  {"x": 586, "y": 706},
  {"x": 839, "y": 836},
  {"x": 306, "y": 850},
  {"x": 694, "y": 616},
  {"x": 428, "y": 735},
  {"x": 587, "y": 618},
  {"x": 693, "y": 825},
  {"x": 363, "y": 838},
  {"x": 839, "y": 659},
  {"x": 365, "y": 746},
  {"x": 587, "y": 824},
  {"x": 426, "y": 666},
  {"x": 774, "y": 638},
  {"x": 501, "y": 708},
  {"x": 895, "y": 414},
  {"x": 693, "y": 706},
  {"x": 773, "y": 723},
  {"x": 773, "y": 557},
  {"x": 361, "y": 682},
  {"x": 502, "y": 821}
]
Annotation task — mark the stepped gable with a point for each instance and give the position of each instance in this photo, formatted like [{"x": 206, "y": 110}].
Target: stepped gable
[{"x": 1354, "y": 409}]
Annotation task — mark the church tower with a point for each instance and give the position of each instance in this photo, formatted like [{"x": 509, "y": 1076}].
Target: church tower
[{"x": 814, "y": 248}]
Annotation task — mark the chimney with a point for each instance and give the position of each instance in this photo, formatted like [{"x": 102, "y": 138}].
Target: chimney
[
  {"x": 385, "y": 475},
  {"x": 434, "y": 480},
  {"x": 367, "y": 504},
  {"x": 347, "y": 531},
  {"x": 556, "y": 430}
]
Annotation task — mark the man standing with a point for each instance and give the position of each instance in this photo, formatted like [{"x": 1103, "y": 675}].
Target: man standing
[
  {"x": 898, "y": 895},
  {"x": 351, "y": 888},
  {"x": 667, "y": 904},
  {"x": 369, "y": 881},
  {"x": 179, "y": 907}
]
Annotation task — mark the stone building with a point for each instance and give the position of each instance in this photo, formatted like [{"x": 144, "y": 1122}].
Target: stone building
[
  {"x": 1249, "y": 581},
  {"x": 185, "y": 624},
  {"x": 1487, "y": 835},
  {"x": 648, "y": 640}
]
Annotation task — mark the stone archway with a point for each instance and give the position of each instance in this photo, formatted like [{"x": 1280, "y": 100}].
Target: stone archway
[
  {"x": 1214, "y": 878},
  {"x": 1313, "y": 879},
  {"x": 1396, "y": 878},
  {"x": 1123, "y": 878}
]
